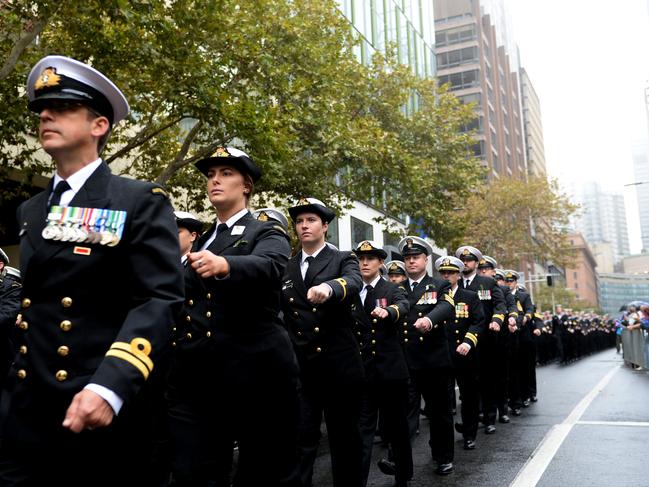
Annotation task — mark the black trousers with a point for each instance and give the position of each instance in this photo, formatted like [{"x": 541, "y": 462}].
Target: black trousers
[
  {"x": 37, "y": 451},
  {"x": 390, "y": 400},
  {"x": 434, "y": 385},
  {"x": 207, "y": 416},
  {"x": 340, "y": 405},
  {"x": 492, "y": 375},
  {"x": 513, "y": 385},
  {"x": 527, "y": 365},
  {"x": 466, "y": 375}
]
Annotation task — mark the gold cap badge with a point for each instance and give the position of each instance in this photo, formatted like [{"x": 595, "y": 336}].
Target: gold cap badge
[
  {"x": 366, "y": 246},
  {"x": 263, "y": 216},
  {"x": 221, "y": 152},
  {"x": 394, "y": 267},
  {"x": 302, "y": 202},
  {"x": 466, "y": 252},
  {"x": 47, "y": 78},
  {"x": 409, "y": 243}
]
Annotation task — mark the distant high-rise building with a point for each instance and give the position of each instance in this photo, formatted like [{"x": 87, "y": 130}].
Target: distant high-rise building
[
  {"x": 532, "y": 127},
  {"x": 581, "y": 276},
  {"x": 641, "y": 173},
  {"x": 603, "y": 219},
  {"x": 477, "y": 58}
]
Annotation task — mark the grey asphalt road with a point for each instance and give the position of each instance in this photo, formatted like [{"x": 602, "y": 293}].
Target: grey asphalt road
[{"x": 590, "y": 427}]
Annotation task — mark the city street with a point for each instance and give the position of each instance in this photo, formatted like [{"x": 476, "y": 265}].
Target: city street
[{"x": 589, "y": 428}]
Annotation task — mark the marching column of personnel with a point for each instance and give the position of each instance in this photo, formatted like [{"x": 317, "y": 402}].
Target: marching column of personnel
[{"x": 148, "y": 352}]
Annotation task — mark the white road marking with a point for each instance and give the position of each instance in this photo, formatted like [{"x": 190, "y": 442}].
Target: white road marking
[
  {"x": 615, "y": 423},
  {"x": 538, "y": 462}
]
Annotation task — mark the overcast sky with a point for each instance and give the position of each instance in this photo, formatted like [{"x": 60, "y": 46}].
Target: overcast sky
[{"x": 589, "y": 63}]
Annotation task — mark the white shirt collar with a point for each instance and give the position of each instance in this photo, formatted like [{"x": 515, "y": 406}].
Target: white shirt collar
[
  {"x": 410, "y": 280},
  {"x": 314, "y": 254},
  {"x": 234, "y": 218},
  {"x": 79, "y": 178},
  {"x": 453, "y": 289},
  {"x": 373, "y": 283}
]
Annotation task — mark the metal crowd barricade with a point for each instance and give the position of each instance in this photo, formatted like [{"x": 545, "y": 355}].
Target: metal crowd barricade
[{"x": 633, "y": 346}]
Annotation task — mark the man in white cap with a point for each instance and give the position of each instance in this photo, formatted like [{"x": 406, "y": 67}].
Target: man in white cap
[
  {"x": 396, "y": 271},
  {"x": 427, "y": 352},
  {"x": 102, "y": 283},
  {"x": 493, "y": 302},
  {"x": 464, "y": 333},
  {"x": 320, "y": 284}
]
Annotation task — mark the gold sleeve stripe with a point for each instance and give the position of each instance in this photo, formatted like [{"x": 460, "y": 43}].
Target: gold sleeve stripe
[
  {"x": 473, "y": 338},
  {"x": 396, "y": 309},
  {"x": 537, "y": 315},
  {"x": 514, "y": 314},
  {"x": 343, "y": 283},
  {"x": 528, "y": 315},
  {"x": 500, "y": 317},
  {"x": 113, "y": 352},
  {"x": 448, "y": 298},
  {"x": 136, "y": 353}
]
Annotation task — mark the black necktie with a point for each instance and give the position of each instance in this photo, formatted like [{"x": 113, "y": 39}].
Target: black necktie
[
  {"x": 308, "y": 275},
  {"x": 369, "y": 299},
  {"x": 222, "y": 227},
  {"x": 414, "y": 285},
  {"x": 467, "y": 283},
  {"x": 61, "y": 187}
]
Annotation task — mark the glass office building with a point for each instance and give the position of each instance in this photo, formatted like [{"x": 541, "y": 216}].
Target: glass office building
[{"x": 407, "y": 24}]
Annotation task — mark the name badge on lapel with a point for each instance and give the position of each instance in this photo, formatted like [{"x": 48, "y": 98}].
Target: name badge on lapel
[{"x": 237, "y": 230}]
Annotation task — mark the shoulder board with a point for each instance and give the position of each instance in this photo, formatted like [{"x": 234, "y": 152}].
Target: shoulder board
[
  {"x": 159, "y": 191},
  {"x": 401, "y": 287},
  {"x": 16, "y": 284},
  {"x": 279, "y": 228},
  {"x": 448, "y": 298}
]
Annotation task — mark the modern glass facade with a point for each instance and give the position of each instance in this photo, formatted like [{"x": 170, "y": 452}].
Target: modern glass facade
[
  {"x": 619, "y": 289},
  {"x": 407, "y": 24}
]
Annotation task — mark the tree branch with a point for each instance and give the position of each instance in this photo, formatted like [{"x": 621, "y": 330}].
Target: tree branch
[
  {"x": 180, "y": 161},
  {"x": 140, "y": 139},
  {"x": 27, "y": 37}
]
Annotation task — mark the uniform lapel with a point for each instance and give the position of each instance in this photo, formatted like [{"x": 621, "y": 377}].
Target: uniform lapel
[
  {"x": 225, "y": 239},
  {"x": 419, "y": 290},
  {"x": 317, "y": 265},
  {"x": 33, "y": 216},
  {"x": 293, "y": 271}
]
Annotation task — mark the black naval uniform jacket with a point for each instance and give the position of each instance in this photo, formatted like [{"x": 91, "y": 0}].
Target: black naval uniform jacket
[
  {"x": 428, "y": 350},
  {"x": 467, "y": 326},
  {"x": 10, "y": 288},
  {"x": 491, "y": 297},
  {"x": 233, "y": 322},
  {"x": 378, "y": 339},
  {"x": 525, "y": 309},
  {"x": 93, "y": 313},
  {"x": 510, "y": 303},
  {"x": 322, "y": 334}
]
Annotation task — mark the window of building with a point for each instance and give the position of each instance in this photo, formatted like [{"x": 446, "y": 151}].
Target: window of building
[
  {"x": 574, "y": 274},
  {"x": 458, "y": 57},
  {"x": 455, "y": 36},
  {"x": 478, "y": 149},
  {"x": 361, "y": 231},
  {"x": 471, "y": 98},
  {"x": 462, "y": 80},
  {"x": 475, "y": 124},
  {"x": 333, "y": 235}
]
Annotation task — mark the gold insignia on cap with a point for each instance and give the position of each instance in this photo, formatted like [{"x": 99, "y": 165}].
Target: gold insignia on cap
[
  {"x": 263, "y": 216},
  {"x": 302, "y": 202},
  {"x": 466, "y": 252},
  {"x": 221, "y": 152},
  {"x": 446, "y": 262},
  {"x": 365, "y": 246},
  {"x": 394, "y": 267},
  {"x": 47, "y": 78},
  {"x": 409, "y": 243},
  {"x": 483, "y": 261}
]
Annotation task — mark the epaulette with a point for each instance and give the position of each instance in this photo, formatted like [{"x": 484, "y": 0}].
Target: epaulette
[
  {"x": 161, "y": 191},
  {"x": 280, "y": 228}
]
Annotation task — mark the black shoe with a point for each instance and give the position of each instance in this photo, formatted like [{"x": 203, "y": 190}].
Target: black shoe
[
  {"x": 526, "y": 403},
  {"x": 459, "y": 427},
  {"x": 534, "y": 399},
  {"x": 504, "y": 419},
  {"x": 444, "y": 468},
  {"x": 387, "y": 467},
  {"x": 469, "y": 444},
  {"x": 516, "y": 411},
  {"x": 490, "y": 429}
]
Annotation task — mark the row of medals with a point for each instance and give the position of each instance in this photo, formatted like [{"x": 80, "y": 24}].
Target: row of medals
[{"x": 89, "y": 227}]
